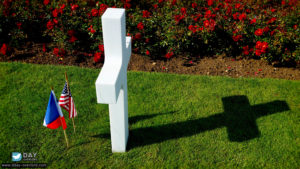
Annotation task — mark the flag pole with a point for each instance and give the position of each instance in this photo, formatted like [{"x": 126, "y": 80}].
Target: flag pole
[
  {"x": 66, "y": 76},
  {"x": 67, "y": 141},
  {"x": 73, "y": 124},
  {"x": 65, "y": 134}
]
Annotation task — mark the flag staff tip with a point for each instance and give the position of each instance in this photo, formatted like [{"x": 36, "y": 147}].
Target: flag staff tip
[{"x": 66, "y": 76}]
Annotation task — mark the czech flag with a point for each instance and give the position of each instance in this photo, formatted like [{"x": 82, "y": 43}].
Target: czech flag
[{"x": 54, "y": 117}]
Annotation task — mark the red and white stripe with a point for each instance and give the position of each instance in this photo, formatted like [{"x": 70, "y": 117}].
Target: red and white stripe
[
  {"x": 72, "y": 112},
  {"x": 66, "y": 101}
]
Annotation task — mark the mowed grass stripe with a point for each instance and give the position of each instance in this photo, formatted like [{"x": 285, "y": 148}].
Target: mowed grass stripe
[{"x": 175, "y": 120}]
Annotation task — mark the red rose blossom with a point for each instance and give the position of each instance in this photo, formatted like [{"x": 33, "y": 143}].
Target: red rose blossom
[
  {"x": 55, "y": 21},
  {"x": 183, "y": 11},
  {"x": 260, "y": 48},
  {"x": 266, "y": 29},
  {"x": 94, "y": 12},
  {"x": 193, "y": 28},
  {"x": 246, "y": 50},
  {"x": 253, "y": 21},
  {"x": 62, "y": 7},
  {"x": 44, "y": 47},
  {"x": 169, "y": 55},
  {"x": 138, "y": 35},
  {"x": 259, "y": 32},
  {"x": 242, "y": 17},
  {"x": 178, "y": 18},
  {"x": 97, "y": 57},
  {"x": 147, "y": 52},
  {"x": 72, "y": 39},
  {"x": 271, "y": 20},
  {"x": 127, "y": 5},
  {"x": 74, "y": 7},
  {"x": 3, "y": 49},
  {"x": 272, "y": 32},
  {"x": 102, "y": 9},
  {"x": 257, "y": 52},
  {"x": 210, "y": 2},
  {"x": 101, "y": 47},
  {"x": 50, "y": 25},
  {"x": 146, "y": 14},
  {"x": 295, "y": 27},
  {"x": 206, "y": 23},
  {"x": 237, "y": 37},
  {"x": 194, "y": 5},
  {"x": 71, "y": 32},
  {"x": 235, "y": 15},
  {"x": 19, "y": 24},
  {"x": 173, "y": 2},
  {"x": 91, "y": 29},
  {"x": 56, "y": 52},
  {"x": 46, "y": 2},
  {"x": 55, "y": 13},
  {"x": 140, "y": 26}
]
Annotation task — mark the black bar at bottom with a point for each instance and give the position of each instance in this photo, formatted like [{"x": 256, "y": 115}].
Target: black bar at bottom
[{"x": 23, "y": 165}]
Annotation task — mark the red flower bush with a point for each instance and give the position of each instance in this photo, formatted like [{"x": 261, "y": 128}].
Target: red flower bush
[{"x": 246, "y": 28}]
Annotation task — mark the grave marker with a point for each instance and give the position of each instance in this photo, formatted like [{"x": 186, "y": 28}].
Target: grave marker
[{"x": 111, "y": 84}]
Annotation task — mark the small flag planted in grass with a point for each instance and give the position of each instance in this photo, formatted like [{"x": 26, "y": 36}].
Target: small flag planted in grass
[
  {"x": 66, "y": 101},
  {"x": 54, "y": 117}
]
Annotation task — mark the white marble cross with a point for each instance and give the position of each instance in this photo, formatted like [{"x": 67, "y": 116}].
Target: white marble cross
[{"x": 111, "y": 85}]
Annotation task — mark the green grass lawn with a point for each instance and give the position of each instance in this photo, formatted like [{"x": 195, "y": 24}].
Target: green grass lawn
[{"x": 177, "y": 121}]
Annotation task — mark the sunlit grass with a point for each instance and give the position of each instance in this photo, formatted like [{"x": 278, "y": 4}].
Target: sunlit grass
[{"x": 175, "y": 120}]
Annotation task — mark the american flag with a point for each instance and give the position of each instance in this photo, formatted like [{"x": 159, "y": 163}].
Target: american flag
[{"x": 66, "y": 101}]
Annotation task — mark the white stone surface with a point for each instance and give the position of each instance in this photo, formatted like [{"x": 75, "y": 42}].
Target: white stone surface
[{"x": 111, "y": 84}]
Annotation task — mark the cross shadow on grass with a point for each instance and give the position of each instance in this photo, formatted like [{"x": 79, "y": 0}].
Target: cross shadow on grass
[
  {"x": 239, "y": 118},
  {"x": 138, "y": 118}
]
